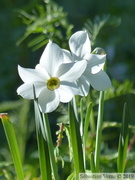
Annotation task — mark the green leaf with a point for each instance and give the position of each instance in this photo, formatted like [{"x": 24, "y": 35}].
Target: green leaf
[
  {"x": 95, "y": 26},
  {"x": 76, "y": 141},
  {"x": 123, "y": 142},
  {"x": 119, "y": 89},
  {"x": 92, "y": 163},
  {"x": 71, "y": 176},
  {"x": 37, "y": 40},
  {"x": 44, "y": 160},
  {"x": 50, "y": 146},
  {"x": 86, "y": 125},
  {"x": 9, "y": 105},
  {"x": 12, "y": 142},
  {"x": 43, "y": 148},
  {"x": 59, "y": 155},
  {"x": 67, "y": 131},
  {"x": 48, "y": 20},
  {"x": 44, "y": 157}
]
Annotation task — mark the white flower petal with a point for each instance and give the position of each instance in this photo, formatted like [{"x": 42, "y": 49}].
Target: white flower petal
[
  {"x": 48, "y": 100},
  {"x": 67, "y": 56},
  {"x": 95, "y": 62},
  {"x": 83, "y": 85},
  {"x": 26, "y": 90},
  {"x": 95, "y": 59},
  {"x": 67, "y": 90},
  {"x": 71, "y": 71},
  {"x": 30, "y": 75},
  {"x": 51, "y": 58},
  {"x": 100, "y": 81},
  {"x": 79, "y": 43},
  {"x": 43, "y": 71}
]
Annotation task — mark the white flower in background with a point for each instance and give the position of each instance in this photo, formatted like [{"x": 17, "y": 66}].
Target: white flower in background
[
  {"x": 53, "y": 80},
  {"x": 93, "y": 75}
]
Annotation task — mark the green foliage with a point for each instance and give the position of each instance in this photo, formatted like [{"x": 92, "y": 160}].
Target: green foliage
[
  {"x": 13, "y": 145},
  {"x": 123, "y": 142},
  {"x": 120, "y": 89},
  {"x": 9, "y": 105},
  {"x": 4, "y": 170},
  {"x": 117, "y": 90},
  {"x": 23, "y": 125},
  {"x": 92, "y": 163},
  {"x": 76, "y": 141},
  {"x": 43, "y": 147},
  {"x": 93, "y": 27},
  {"x": 48, "y": 21}
]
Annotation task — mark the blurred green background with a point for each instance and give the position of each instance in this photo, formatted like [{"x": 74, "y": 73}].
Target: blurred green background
[{"x": 116, "y": 37}]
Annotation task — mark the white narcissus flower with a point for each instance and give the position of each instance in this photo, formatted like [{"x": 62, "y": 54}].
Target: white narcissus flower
[
  {"x": 53, "y": 80},
  {"x": 93, "y": 75}
]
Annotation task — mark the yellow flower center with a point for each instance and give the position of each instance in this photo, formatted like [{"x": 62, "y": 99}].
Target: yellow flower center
[{"x": 53, "y": 83}]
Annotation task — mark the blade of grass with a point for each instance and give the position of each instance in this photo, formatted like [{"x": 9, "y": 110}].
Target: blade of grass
[
  {"x": 12, "y": 142},
  {"x": 123, "y": 142},
  {"x": 75, "y": 141}
]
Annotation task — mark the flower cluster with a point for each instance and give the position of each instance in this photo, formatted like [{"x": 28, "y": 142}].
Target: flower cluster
[{"x": 61, "y": 74}]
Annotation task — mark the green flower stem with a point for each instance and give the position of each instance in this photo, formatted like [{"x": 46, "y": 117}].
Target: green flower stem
[
  {"x": 86, "y": 125},
  {"x": 50, "y": 147},
  {"x": 12, "y": 141},
  {"x": 82, "y": 117},
  {"x": 99, "y": 130},
  {"x": 76, "y": 140},
  {"x": 92, "y": 163},
  {"x": 92, "y": 122}
]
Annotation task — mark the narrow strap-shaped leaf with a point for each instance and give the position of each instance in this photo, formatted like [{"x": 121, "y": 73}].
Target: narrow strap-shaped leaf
[
  {"x": 123, "y": 142},
  {"x": 38, "y": 118},
  {"x": 44, "y": 160},
  {"x": 76, "y": 141},
  {"x": 67, "y": 131},
  {"x": 71, "y": 176},
  {"x": 12, "y": 142},
  {"x": 50, "y": 146},
  {"x": 92, "y": 163},
  {"x": 43, "y": 151}
]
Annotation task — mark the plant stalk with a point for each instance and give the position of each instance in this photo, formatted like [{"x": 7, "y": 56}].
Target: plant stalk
[{"x": 99, "y": 131}]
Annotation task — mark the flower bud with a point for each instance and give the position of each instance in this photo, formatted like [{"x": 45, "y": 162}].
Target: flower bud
[{"x": 99, "y": 51}]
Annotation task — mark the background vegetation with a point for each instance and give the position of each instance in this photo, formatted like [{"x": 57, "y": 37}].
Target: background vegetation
[{"x": 37, "y": 21}]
